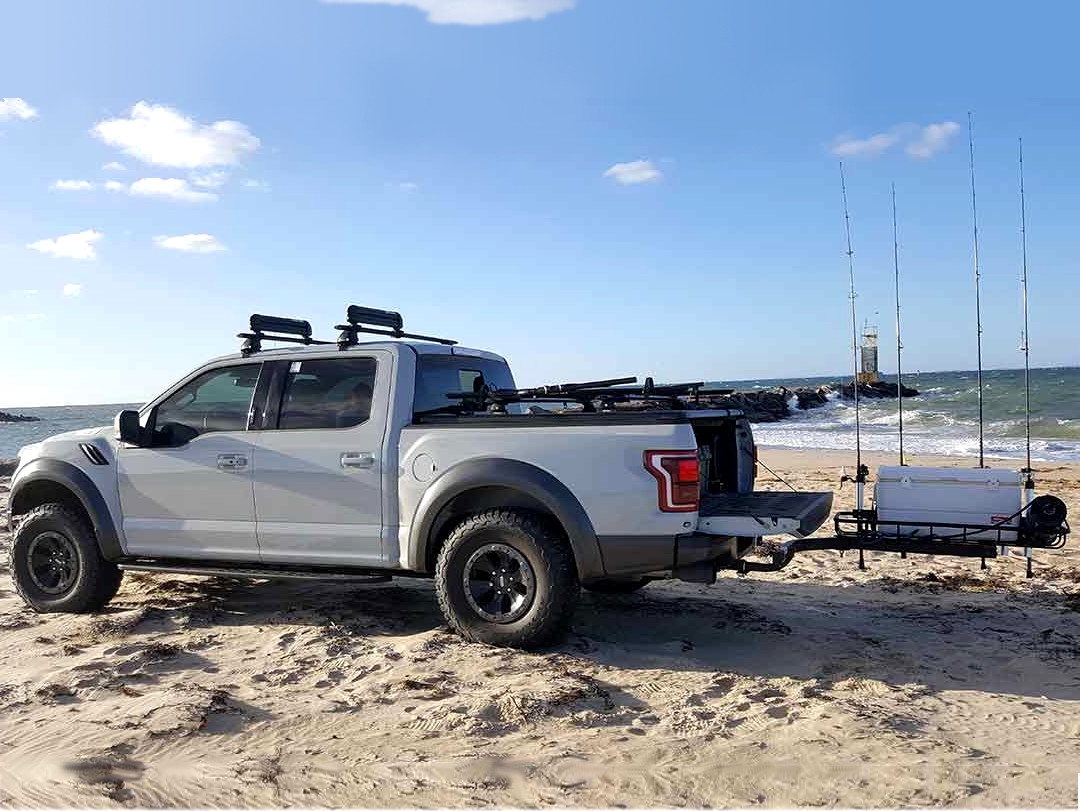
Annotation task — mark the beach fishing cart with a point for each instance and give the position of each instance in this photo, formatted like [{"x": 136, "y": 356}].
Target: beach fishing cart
[{"x": 974, "y": 513}]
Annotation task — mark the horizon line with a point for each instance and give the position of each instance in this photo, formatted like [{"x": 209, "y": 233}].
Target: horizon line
[{"x": 841, "y": 377}]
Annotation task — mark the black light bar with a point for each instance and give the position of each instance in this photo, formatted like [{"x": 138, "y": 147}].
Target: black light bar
[
  {"x": 286, "y": 330},
  {"x": 376, "y": 318},
  {"x": 275, "y": 323},
  {"x": 365, "y": 319}
]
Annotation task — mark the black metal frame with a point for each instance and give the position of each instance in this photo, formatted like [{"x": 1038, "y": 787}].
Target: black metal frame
[
  {"x": 868, "y": 533},
  {"x": 958, "y": 541},
  {"x": 608, "y": 392}
]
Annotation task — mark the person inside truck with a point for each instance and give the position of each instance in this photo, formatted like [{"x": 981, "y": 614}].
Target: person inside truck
[{"x": 357, "y": 407}]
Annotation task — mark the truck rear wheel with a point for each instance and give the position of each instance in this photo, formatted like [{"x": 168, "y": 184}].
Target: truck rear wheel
[
  {"x": 506, "y": 578},
  {"x": 56, "y": 563}
]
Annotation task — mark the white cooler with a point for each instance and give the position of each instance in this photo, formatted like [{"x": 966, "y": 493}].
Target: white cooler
[{"x": 950, "y": 495}]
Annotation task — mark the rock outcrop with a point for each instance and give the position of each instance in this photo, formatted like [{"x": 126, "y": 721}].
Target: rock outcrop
[
  {"x": 773, "y": 405},
  {"x": 6, "y": 417}
]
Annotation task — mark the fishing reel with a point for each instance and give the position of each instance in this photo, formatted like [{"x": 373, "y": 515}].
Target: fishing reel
[{"x": 1043, "y": 523}]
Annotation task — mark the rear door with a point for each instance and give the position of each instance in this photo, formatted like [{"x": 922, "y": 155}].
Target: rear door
[{"x": 318, "y": 481}]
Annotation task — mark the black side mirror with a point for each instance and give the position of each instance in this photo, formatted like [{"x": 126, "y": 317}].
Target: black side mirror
[{"x": 128, "y": 429}]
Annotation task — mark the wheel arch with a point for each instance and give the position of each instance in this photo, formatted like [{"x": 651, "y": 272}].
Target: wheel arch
[
  {"x": 488, "y": 483},
  {"x": 43, "y": 481}
]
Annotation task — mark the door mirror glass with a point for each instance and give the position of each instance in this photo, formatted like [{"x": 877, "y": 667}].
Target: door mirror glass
[{"x": 128, "y": 429}]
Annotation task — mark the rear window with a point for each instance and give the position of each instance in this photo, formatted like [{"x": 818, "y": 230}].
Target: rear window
[{"x": 439, "y": 375}]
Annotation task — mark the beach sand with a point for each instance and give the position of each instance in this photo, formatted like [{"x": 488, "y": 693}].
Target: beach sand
[{"x": 918, "y": 682}]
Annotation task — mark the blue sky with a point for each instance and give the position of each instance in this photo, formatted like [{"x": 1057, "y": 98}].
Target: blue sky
[{"x": 591, "y": 188}]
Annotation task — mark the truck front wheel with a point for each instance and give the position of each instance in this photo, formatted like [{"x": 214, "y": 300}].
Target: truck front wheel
[
  {"x": 504, "y": 577},
  {"x": 56, "y": 564}
]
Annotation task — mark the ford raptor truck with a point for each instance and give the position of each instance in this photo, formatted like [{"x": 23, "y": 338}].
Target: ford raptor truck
[{"x": 405, "y": 456}]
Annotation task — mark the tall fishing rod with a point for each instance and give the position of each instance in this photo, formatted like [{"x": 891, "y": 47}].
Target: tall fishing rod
[
  {"x": 1024, "y": 347},
  {"x": 860, "y": 468},
  {"x": 1029, "y": 479},
  {"x": 899, "y": 344},
  {"x": 978, "y": 304}
]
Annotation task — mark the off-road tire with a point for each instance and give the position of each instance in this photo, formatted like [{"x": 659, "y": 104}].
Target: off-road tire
[
  {"x": 547, "y": 552},
  {"x": 628, "y": 586},
  {"x": 96, "y": 580}
]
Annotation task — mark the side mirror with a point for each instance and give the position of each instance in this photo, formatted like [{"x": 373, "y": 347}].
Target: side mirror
[{"x": 128, "y": 429}]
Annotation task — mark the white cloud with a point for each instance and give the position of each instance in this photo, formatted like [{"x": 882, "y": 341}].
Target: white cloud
[
  {"x": 71, "y": 246},
  {"x": 256, "y": 184},
  {"x": 210, "y": 180},
  {"x": 634, "y": 172},
  {"x": 919, "y": 142},
  {"x": 932, "y": 139},
  {"x": 405, "y": 186},
  {"x": 162, "y": 135},
  {"x": 72, "y": 289},
  {"x": 477, "y": 12},
  {"x": 846, "y": 147},
  {"x": 115, "y": 185},
  {"x": 169, "y": 188},
  {"x": 190, "y": 243},
  {"x": 16, "y": 108},
  {"x": 72, "y": 185},
  {"x": 114, "y": 166}
]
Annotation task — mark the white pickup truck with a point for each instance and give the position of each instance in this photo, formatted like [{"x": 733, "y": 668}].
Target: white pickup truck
[{"x": 408, "y": 456}]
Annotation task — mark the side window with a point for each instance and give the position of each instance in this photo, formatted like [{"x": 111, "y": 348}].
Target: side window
[
  {"x": 327, "y": 393},
  {"x": 218, "y": 400}
]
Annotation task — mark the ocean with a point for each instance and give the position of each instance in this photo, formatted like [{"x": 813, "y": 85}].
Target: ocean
[
  {"x": 943, "y": 419},
  {"x": 54, "y": 420}
]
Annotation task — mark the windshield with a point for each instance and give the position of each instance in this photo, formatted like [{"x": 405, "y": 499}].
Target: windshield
[{"x": 439, "y": 375}]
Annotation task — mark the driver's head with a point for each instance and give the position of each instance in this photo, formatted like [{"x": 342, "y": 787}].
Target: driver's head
[{"x": 360, "y": 397}]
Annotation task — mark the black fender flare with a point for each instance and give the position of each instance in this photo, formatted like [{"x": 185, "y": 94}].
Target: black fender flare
[
  {"x": 82, "y": 486},
  {"x": 516, "y": 475}
]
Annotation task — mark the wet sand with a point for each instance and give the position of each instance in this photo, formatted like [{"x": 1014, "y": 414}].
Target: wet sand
[{"x": 917, "y": 682}]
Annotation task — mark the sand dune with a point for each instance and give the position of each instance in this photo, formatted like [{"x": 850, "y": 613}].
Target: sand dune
[{"x": 916, "y": 682}]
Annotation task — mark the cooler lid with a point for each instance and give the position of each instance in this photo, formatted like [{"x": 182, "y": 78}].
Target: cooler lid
[{"x": 949, "y": 475}]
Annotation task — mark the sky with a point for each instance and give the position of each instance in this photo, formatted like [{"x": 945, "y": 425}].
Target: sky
[{"x": 591, "y": 188}]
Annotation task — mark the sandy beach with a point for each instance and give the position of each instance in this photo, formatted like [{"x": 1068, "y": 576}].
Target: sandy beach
[{"x": 918, "y": 682}]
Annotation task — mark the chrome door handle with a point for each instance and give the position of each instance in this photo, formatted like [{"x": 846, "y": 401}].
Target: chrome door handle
[
  {"x": 231, "y": 461},
  {"x": 360, "y": 459}
]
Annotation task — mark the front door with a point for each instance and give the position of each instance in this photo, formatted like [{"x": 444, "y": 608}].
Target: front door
[
  {"x": 318, "y": 477},
  {"x": 190, "y": 494}
]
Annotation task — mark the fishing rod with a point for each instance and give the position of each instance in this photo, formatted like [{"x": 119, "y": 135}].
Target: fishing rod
[
  {"x": 899, "y": 344},
  {"x": 978, "y": 304},
  {"x": 1024, "y": 347},
  {"x": 1029, "y": 479},
  {"x": 860, "y": 468}
]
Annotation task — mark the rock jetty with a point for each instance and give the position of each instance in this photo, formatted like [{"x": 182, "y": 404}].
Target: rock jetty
[
  {"x": 773, "y": 405},
  {"x": 6, "y": 417}
]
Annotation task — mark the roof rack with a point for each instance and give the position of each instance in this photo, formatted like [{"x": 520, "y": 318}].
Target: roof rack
[
  {"x": 358, "y": 316},
  {"x": 288, "y": 330}
]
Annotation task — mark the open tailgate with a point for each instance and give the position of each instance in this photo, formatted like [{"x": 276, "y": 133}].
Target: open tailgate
[{"x": 763, "y": 513}]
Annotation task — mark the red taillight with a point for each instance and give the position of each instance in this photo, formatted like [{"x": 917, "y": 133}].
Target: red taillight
[{"x": 676, "y": 474}]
